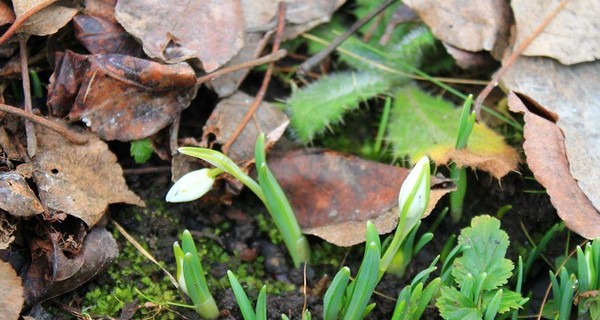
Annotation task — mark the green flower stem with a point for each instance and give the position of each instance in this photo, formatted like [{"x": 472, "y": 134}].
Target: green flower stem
[{"x": 222, "y": 162}]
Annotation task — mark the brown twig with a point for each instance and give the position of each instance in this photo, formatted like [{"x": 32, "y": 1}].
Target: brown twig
[
  {"x": 65, "y": 132},
  {"x": 23, "y": 17},
  {"x": 317, "y": 58},
  {"x": 272, "y": 57},
  {"x": 265, "y": 83},
  {"x": 513, "y": 57},
  {"x": 148, "y": 170},
  {"x": 29, "y": 127}
]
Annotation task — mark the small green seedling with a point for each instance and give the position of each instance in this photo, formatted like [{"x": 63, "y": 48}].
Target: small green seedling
[
  {"x": 480, "y": 274},
  {"x": 266, "y": 189},
  {"x": 249, "y": 313},
  {"x": 414, "y": 298},
  {"x": 563, "y": 291},
  {"x": 349, "y": 301},
  {"x": 141, "y": 150},
  {"x": 459, "y": 175},
  {"x": 190, "y": 277},
  {"x": 588, "y": 267}
]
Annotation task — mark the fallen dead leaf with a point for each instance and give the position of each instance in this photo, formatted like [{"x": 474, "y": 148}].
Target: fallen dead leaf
[
  {"x": 210, "y": 31},
  {"x": 546, "y": 155},
  {"x": 120, "y": 97},
  {"x": 6, "y": 14},
  {"x": 572, "y": 95},
  {"x": 16, "y": 197},
  {"x": 100, "y": 35},
  {"x": 80, "y": 180},
  {"x": 333, "y": 195},
  {"x": 573, "y": 36},
  {"x": 11, "y": 299},
  {"x": 46, "y": 21},
  {"x": 471, "y": 26},
  {"x": 228, "y": 114}
]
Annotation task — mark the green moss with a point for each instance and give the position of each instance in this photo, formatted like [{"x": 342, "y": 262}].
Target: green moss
[{"x": 266, "y": 225}]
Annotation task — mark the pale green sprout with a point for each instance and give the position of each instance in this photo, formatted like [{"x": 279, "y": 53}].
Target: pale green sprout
[
  {"x": 408, "y": 250},
  {"x": 190, "y": 277},
  {"x": 266, "y": 189},
  {"x": 588, "y": 267},
  {"x": 248, "y": 313},
  {"x": 414, "y": 298},
  {"x": 459, "y": 175}
]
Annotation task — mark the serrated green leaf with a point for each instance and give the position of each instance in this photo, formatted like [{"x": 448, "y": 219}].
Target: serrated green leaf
[
  {"x": 453, "y": 305},
  {"x": 141, "y": 150},
  {"x": 510, "y": 300},
  {"x": 425, "y": 125},
  {"x": 322, "y": 103},
  {"x": 488, "y": 245}
]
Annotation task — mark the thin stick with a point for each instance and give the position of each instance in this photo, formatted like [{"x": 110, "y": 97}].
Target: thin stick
[
  {"x": 317, "y": 58},
  {"x": 263, "y": 88},
  {"x": 272, "y": 57},
  {"x": 513, "y": 57},
  {"x": 148, "y": 170},
  {"x": 23, "y": 17},
  {"x": 29, "y": 126},
  {"x": 72, "y": 136}
]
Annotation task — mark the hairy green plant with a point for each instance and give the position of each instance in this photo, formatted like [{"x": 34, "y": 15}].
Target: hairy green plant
[
  {"x": 190, "y": 277},
  {"x": 480, "y": 274},
  {"x": 195, "y": 184}
]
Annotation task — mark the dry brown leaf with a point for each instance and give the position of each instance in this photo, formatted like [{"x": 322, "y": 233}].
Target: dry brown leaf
[
  {"x": 11, "y": 299},
  {"x": 572, "y": 93},
  {"x": 333, "y": 195},
  {"x": 211, "y": 31},
  {"x": 227, "y": 116},
  {"x": 572, "y": 37},
  {"x": 16, "y": 197},
  {"x": 472, "y": 26},
  {"x": 118, "y": 96},
  {"x": 6, "y": 14},
  {"x": 46, "y": 21},
  {"x": 80, "y": 180},
  {"x": 545, "y": 149}
]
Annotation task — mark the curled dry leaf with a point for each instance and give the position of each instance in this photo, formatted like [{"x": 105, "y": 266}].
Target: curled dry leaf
[
  {"x": 11, "y": 299},
  {"x": 572, "y": 37},
  {"x": 472, "y": 26},
  {"x": 211, "y": 31},
  {"x": 228, "y": 114},
  {"x": 333, "y": 195},
  {"x": 16, "y": 197},
  {"x": 546, "y": 155},
  {"x": 120, "y": 97},
  {"x": 100, "y": 35},
  {"x": 80, "y": 180},
  {"x": 46, "y": 21},
  {"x": 572, "y": 95}
]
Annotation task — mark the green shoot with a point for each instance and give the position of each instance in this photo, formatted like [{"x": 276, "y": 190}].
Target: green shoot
[
  {"x": 563, "y": 290},
  {"x": 518, "y": 286},
  {"x": 537, "y": 250},
  {"x": 190, "y": 277},
  {"x": 588, "y": 267},
  {"x": 408, "y": 250},
  {"x": 414, "y": 298},
  {"x": 459, "y": 175},
  {"x": 266, "y": 189},
  {"x": 249, "y": 313},
  {"x": 141, "y": 150},
  {"x": 385, "y": 118}
]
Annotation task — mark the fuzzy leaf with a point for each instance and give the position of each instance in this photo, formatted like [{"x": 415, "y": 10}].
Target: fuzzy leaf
[
  {"x": 454, "y": 305},
  {"x": 141, "y": 150},
  {"x": 323, "y": 103},
  {"x": 424, "y": 125},
  {"x": 487, "y": 248}
]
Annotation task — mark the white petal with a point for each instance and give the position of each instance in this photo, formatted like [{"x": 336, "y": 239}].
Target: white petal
[{"x": 191, "y": 186}]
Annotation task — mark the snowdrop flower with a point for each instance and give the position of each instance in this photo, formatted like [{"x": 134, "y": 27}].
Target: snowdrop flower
[
  {"x": 191, "y": 186},
  {"x": 414, "y": 194}
]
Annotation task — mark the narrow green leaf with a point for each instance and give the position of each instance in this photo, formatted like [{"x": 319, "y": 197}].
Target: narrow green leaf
[
  {"x": 261, "y": 304},
  {"x": 492, "y": 308},
  {"x": 365, "y": 283},
  {"x": 241, "y": 297},
  {"x": 259, "y": 150},
  {"x": 333, "y": 301}
]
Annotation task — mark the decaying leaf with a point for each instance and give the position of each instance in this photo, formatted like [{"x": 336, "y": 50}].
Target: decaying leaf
[
  {"x": 211, "y": 31},
  {"x": 423, "y": 125},
  {"x": 547, "y": 158},
  {"x": 16, "y": 197},
  {"x": 46, "y": 21},
  {"x": 333, "y": 195},
  {"x": 80, "y": 180},
  {"x": 6, "y": 14},
  {"x": 572, "y": 95},
  {"x": 11, "y": 299},
  {"x": 228, "y": 114},
  {"x": 572, "y": 37},
  {"x": 472, "y": 26},
  {"x": 120, "y": 97},
  {"x": 51, "y": 273}
]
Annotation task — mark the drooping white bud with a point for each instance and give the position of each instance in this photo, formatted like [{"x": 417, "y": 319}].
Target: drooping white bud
[{"x": 191, "y": 186}]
